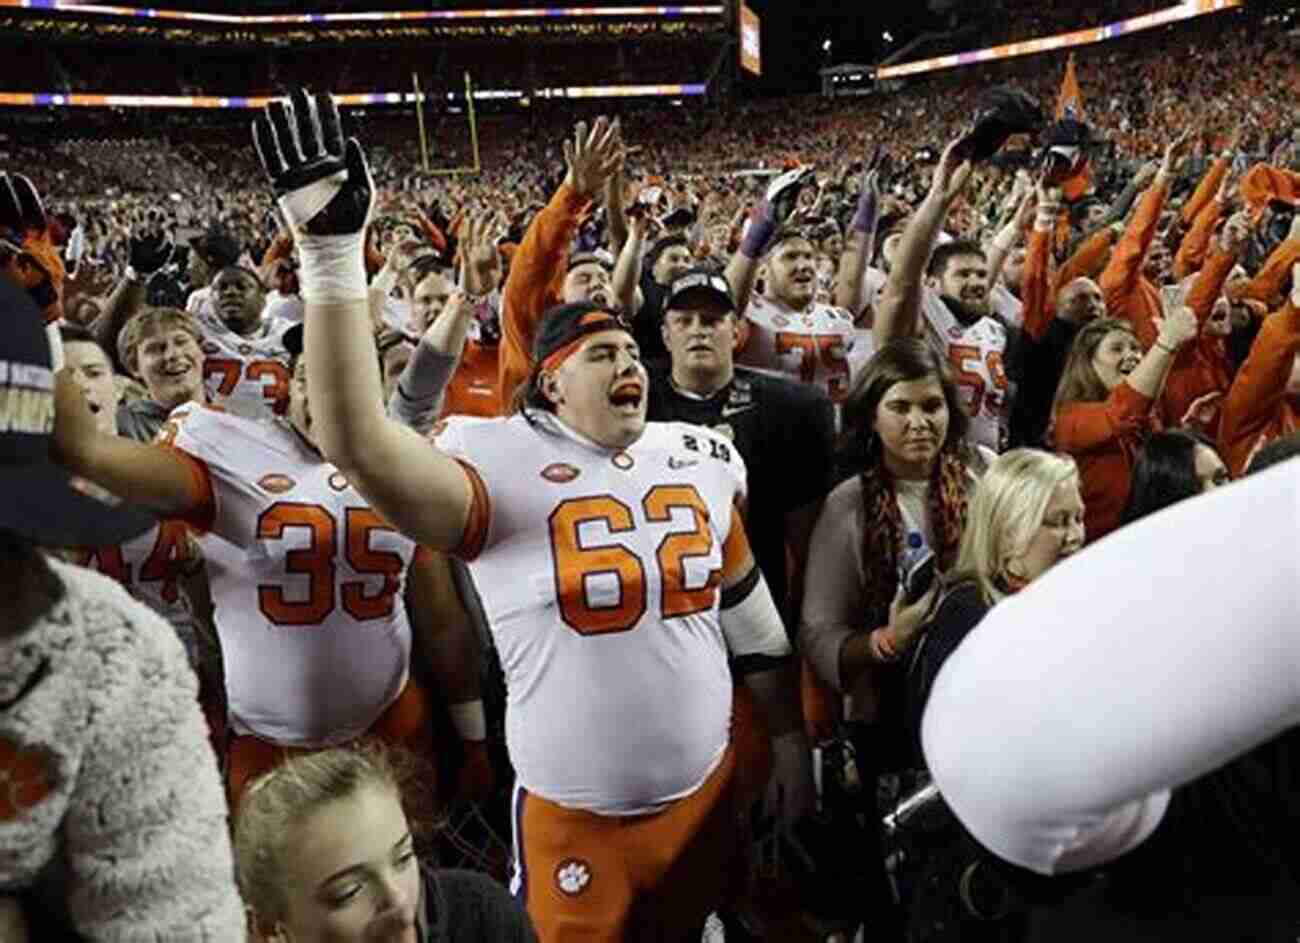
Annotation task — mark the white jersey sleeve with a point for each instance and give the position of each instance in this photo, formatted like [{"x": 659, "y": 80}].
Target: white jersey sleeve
[{"x": 1130, "y": 669}]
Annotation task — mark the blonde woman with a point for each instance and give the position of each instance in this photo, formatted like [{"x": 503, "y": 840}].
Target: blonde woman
[
  {"x": 1025, "y": 516},
  {"x": 325, "y": 853}
]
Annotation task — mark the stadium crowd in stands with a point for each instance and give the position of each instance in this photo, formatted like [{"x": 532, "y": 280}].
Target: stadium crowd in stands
[{"x": 714, "y": 523}]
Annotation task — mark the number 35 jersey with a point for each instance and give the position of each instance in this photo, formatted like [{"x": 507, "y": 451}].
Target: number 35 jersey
[
  {"x": 306, "y": 578},
  {"x": 600, "y": 573}
]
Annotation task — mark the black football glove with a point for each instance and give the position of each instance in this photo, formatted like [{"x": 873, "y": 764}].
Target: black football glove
[{"x": 323, "y": 184}]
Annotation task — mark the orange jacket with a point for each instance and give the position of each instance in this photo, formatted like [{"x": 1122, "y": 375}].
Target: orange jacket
[
  {"x": 1205, "y": 191},
  {"x": 1202, "y": 366},
  {"x": 1195, "y": 245},
  {"x": 1038, "y": 290},
  {"x": 472, "y": 390},
  {"x": 1257, "y": 409},
  {"x": 1104, "y": 440},
  {"x": 1267, "y": 284},
  {"x": 1129, "y": 294},
  {"x": 536, "y": 283}
]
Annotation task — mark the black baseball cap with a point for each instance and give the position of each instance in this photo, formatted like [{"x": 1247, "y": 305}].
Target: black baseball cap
[
  {"x": 37, "y": 499},
  {"x": 700, "y": 281}
]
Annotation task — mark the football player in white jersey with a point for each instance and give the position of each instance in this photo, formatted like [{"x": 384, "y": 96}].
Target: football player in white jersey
[
  {"x": 942, "y": 293},
  {"x": 162, "y": 567},
  {"x": 245, "y": 363},
  {"x": 309, "y": 582},
  {"x": 614, "y": 570}
]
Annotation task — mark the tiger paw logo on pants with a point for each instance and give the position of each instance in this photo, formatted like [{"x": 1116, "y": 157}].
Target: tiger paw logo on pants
[{"x": 572, "y": 876}]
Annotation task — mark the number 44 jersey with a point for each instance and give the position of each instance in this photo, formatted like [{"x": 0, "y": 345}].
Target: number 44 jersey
[
  {"x": 306, "y": 579},
  {"x": 601, "y": 571}
]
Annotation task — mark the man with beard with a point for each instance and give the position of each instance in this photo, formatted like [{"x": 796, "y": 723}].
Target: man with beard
[{"x": 954, "y": 297}]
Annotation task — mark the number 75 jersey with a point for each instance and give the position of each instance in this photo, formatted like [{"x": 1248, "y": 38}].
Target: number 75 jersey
[
  {"x": 600, "y": 572},
  {"x": 306, "y": 578}
]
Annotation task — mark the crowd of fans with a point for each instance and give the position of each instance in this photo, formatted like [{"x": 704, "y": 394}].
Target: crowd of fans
[{"x": 913, "y": 358}]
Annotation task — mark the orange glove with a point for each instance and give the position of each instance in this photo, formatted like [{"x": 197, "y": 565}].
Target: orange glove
[{"x": 28, "y": 257}]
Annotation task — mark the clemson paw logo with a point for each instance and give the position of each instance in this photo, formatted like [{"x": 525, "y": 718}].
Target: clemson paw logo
[{"x": 572, "y": 875}]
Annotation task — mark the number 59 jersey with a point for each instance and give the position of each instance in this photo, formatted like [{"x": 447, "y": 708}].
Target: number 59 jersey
[
  {"x": 600, "y": 572},
  {"x": 974, "y": 353},
  {"x": 306, "y": 578}
]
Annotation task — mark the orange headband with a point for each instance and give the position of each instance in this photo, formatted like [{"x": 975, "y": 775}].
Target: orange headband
[{"x": 591, "y": 323}]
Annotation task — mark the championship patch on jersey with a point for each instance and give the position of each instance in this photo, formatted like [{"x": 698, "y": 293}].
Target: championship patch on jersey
[{"x": 572, "y": 875}]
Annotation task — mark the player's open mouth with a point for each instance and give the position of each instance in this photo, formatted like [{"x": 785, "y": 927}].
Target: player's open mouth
[
  {"x": 627, "y": 396},
  {"x": 1127, "y": 366},
  {"x": 94, "y": 407},
  {"x": 177, "y": 373}
]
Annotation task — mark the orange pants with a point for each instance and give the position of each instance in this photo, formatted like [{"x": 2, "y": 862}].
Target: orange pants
[
  {"x": 407, "y": 723},
  {"x": 640, "y": 878}
]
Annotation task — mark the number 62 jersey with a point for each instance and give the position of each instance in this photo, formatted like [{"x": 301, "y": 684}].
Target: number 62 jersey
[
  {"x": 307, "y": 580},
  {"x": 600, "y": 572}
]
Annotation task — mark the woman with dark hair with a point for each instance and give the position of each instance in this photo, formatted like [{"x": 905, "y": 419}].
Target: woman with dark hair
[
  {"x": 905, "y": 441},
  {"x": 1104, "y": 407},
  {"x": 1175, "y": 464}
]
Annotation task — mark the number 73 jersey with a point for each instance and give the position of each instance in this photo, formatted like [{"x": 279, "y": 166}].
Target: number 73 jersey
[
  {"x": 307, "y": 580},
  {"x": 600, "y": 572}
]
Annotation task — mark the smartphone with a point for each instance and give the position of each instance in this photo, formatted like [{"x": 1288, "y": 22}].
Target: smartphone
[{"x": 919, "y": 579}]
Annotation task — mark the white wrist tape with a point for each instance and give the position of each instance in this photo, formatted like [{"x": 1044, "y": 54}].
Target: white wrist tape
[
  {"x": 305, "y": 202},
  {"x": 753, "y": 625},
  {"x": 469, "y": 720},
  {"x": 333, "y": 268}
]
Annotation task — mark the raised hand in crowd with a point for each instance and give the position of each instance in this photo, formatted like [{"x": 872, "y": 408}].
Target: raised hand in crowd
[
  {"x": 481, "y": 271},
  {"x": 27, "y": 257},
  {"x": 150, "y": 246},
  {"x": 1175, "y": 151},
  {"x": 593, "y": 157}
]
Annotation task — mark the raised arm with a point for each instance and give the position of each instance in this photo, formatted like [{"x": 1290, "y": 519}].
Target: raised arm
[
  {"x": 152, "y": 476},
  {"x": 627, "y": 270},
  {"x": 778, "y": 205},
  {"x": 1035, "y": 284},
  {"x": 324, "y": 188},
  {"x": 1195, "y": 244},
  {"x": 150, "y": 251},
  {"x": 899, "y": 310},
  {"x": 1000, "y": 246},
  {"x": 537, "y": 271},
  {"x": 860, "y": 245},
  {"x": 1260, "y": 385}
]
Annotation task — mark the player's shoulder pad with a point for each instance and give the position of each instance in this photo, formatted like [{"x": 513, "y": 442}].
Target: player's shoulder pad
[
  {"x": 209, "y": 428},
  {"x": 458, "y": 435}
]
